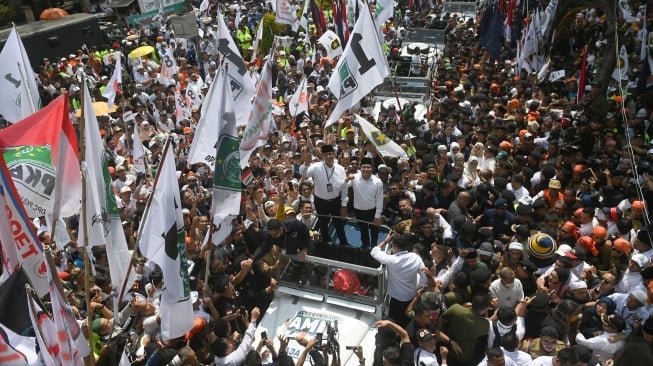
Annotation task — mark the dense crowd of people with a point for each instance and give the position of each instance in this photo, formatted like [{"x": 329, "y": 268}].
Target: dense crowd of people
[{"x": 520, "y": 219}]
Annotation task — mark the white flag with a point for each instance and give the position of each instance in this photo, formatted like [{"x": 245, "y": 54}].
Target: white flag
[
  {"x": 19, "y": 245},
  {"x": 222, "y": 226},
  {"x": 202, "y": 149},
  {"x": 331, "y": 43},
  {"x": 227, "y": 183},
  {"x": 240, "y": 81},
  {"x": 193, "y": 95},
  {"x": 204, "y": 6},
  {"x": 17, "y": 350},
  {"x": 547, "y": 17},
  {"x": 384, "y": 11},
  {"x": 46, "y": 333},
  {"x": 181, "y": 108},
  {"x": 621, "y": 69},
  {"x": 556, "y": 75},
  {"x": 124, "y": 359},
  {"x": 383, "y": 143},
  {"x": 303, "y": 20},
  {"x": 299, "y": 101},
  {"x": 102, "y": 217},
  {"x": 257, "y": 40},
  {"x": 627, "y": 13},
  {"x": 20, "y": 93},
  {"x": 361, "y": 68},
  {"x": 115, "y": 83},
  {"x": 256, "y": 131},
  {"x": 73, "y": 347},
  {"x": 168, "y": 69},
  {"x": 163, "y": 242},
  {"x": 138, "y": 150},
  {"x": 286, "y": 14}
]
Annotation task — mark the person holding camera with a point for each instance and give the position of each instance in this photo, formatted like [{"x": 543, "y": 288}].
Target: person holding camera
[{"x": 227, "y": 350}]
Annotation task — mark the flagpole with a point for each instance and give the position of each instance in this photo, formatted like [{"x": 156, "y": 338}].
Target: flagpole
[
  {"x": 146, "y": 212},
  {"x": 87, "y": 262},
  {"x": 29, "y": 92}
]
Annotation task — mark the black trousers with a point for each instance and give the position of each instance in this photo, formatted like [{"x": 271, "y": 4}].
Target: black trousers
[
  {"x": 326, "y": 208},
  {"x": 369, "y": 232},
  {"x": 397, "y": 312}
]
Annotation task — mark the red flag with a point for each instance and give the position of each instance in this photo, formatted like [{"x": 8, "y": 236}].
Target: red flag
[
  {"x": 582, "y": 79},
  {"x": 42, "y": 156}
]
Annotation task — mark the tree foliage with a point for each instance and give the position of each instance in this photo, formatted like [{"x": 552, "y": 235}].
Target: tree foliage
[{"x": 270, "y": 29}]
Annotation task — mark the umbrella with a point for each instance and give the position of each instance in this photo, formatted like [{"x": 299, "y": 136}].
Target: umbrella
[
  {"x": 53, "y": 13},
  {"x": 100, "y": 108},
  {"x": 141, "y": 51}
]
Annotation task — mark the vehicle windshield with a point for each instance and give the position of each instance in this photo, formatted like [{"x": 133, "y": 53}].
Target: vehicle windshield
[{"x": 333, "y": 278}]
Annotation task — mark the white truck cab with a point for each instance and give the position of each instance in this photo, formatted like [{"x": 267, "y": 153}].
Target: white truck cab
[{"x": 308, "y": 300}]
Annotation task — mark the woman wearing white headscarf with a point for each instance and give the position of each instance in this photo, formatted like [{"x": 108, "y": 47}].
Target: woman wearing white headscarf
[{"x": 471, "y": 170}]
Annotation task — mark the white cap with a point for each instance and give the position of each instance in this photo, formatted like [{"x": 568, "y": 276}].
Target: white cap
[
  {"x": 563, "y": 249},
  {"x": 640, "y": 260},
  {"x": 578, "y": 285},
  {"x": 125, "y": 189}
]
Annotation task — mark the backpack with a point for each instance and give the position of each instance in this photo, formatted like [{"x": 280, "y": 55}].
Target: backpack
[
  {"x": 347, "y": 282},
  {"x": 497, "y": 336}
]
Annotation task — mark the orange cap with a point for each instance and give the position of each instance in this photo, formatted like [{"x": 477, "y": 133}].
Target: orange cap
[
  {"x": 638, "y": 205},
  {"x": 587, "y": 243},
  {"x": 599, "y": 231},
  {"x": 622, "y": 245}
]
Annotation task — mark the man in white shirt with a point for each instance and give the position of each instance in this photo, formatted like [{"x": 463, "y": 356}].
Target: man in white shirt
[
  {"x": 631, "y": 307},
  {"x": 368, "y": 201},
  {"x": 328, "y": 177},
  {"x": 506, "y": 290},
  {"x": 632, "y": 278},
  {"x": 405, "y": 272},
  {"x": 613, "y": 326},
  {"x": 565, "y": 357},
  {"x": 510, "y": 347},
  {"x": 496, "y": 357},
  {"x": 225, "y": 352},
  {"x": 642, "y": 244}
]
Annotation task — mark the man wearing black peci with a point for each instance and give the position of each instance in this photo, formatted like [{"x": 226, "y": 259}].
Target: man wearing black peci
[{"x": 329, "y": 191}]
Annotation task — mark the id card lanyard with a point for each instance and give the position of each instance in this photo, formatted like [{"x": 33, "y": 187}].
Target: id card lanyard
[{"x": 329, "y": 186}]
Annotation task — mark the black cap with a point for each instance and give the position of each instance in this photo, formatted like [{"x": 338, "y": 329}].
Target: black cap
[
  {"x": 327, "y": 149},
  {"x": 481, "y": 275},
  {"x": 541, "y": 302}
]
